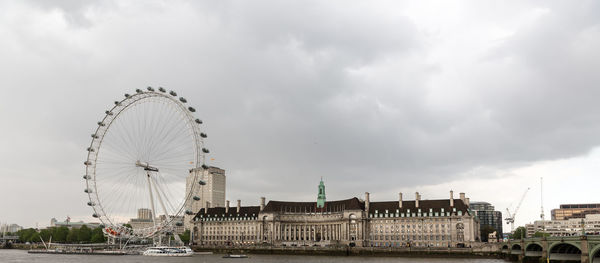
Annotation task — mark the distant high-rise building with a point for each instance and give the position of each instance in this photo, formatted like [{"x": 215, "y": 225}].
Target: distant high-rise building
[
  {"x": 145, "y": 213},
  {"x": 212, "y": 194},
  {"x": 568, "y": 211},
  {"x": 488, "y": 217}
]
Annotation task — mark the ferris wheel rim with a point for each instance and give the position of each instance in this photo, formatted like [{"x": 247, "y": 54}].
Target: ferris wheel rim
[{"x": 103, "y": 127}]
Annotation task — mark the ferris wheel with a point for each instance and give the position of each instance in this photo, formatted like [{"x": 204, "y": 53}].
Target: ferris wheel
[{"x": 144, "y": 150}]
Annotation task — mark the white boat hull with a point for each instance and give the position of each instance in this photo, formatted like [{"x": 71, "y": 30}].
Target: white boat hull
[{"x": 168, "y": 252}]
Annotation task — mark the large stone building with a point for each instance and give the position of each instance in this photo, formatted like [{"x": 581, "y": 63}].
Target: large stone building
[
  {"x": 351, "y": 222},
  {"x": 568, "y": 211},
  {"x": 488, "y": 217},
  {"x": 211, "y": 194}
]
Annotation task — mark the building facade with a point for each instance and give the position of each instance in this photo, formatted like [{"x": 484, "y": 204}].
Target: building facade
[
  {"x": 488, "y": 217},
  {"x": 568, "y": 211},
  {"x": 590, "y": 225},
  {"x": 211, "y": 194},
  {"x": 349, "y": 222}
]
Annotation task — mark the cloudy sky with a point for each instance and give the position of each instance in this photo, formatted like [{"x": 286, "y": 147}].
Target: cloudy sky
[{"x": 482, "y": 97}]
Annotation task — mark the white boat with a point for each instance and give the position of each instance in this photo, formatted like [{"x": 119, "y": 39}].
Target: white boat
[{"x": 164, "y": 251}]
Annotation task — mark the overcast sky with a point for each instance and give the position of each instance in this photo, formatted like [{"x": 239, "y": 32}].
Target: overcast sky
[{"x": 482, "y": 97}]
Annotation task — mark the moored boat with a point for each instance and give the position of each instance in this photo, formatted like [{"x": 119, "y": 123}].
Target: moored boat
[{"x": 164, "y": 251}]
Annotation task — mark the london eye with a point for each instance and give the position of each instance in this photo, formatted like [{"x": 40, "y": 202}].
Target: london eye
[{"x": 141, "y": 154}]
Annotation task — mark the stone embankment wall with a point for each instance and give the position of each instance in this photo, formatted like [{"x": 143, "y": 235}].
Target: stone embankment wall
[{"x": 478, "y": 252}]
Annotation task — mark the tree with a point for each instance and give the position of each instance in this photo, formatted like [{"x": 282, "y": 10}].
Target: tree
[
  {"x": 60, "y": 234},
  {"x": 541, "y": 234},
  {"x": 85, "y": 234},
  {"x": 97, "y": 235},
  {"x": 485, "y": 231},
  {"x": 25, "y": 235},
  {"x": 73, "y": 236},
  {"x": 185, "y": 237},
  {"x": 520, "y": 232},
  {"x": 46, "y": 234}
]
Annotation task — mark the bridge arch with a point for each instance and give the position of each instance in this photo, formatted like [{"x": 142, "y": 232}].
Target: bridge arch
[
  {"x": 516, "y": 247},
  {"x": 534, "y": 250},
  {"x": 565, "y": 251},
  {"x": 595, "y": 254},
  {"x": 505, "y": 246}
]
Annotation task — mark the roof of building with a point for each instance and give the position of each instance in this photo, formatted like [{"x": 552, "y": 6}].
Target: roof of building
[
  {"x": 331, "y": 206},
  {"x": 424, "y": 205},
  {"x": 220, "y": 211}
]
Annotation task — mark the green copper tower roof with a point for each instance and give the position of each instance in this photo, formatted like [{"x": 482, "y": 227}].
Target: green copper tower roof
[{"x": 321, "y": 196}]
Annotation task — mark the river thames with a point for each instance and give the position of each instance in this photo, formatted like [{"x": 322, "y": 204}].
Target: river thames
[{"x": 12, "y": 255}]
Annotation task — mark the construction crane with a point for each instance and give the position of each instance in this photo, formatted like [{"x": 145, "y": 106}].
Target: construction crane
[{"x": 511, "y": 216}]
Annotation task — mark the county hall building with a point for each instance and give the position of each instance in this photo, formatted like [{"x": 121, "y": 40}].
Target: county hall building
[{"x": 349, "y": 222}]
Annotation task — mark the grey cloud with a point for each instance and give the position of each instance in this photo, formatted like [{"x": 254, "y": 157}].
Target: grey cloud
[{"x": 290, "y": 92}]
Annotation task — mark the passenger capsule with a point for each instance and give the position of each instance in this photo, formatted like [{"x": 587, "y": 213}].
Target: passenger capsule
[
  {"x": 150, "y": 88},
  {"x": 95, "y": 215},
  {"x": 100, "y": 123},
  {"x": 86, "y": 177},
  {"x": 203, "y": 135},
  {"x": 87, "y": 190},
  {"x": 139, "y": 91},
  {"x": 205, "y": 150},
  {"x": 118, "y": 103},
  {"x": 91, "y": 204},
  {"x": 127, "y": 95},
  {"x": 189, "y": 212},
  {"x": 179, "y": 224},
  {"x": 87, "y": 163},
  {"x": 201, "y": 182},
  {"x": 161, "y": 89},
  {"x": 108, "y": 112},
  {"x": 198, "y": 121},
  {"x": 196, "y": 198},
  {"x": 204, "y": 166},
  {"x": 182, "y": 99},
  {"x": 173, "y": 93},
  {"x": 94, "y": 136},
  {"x": 192, "y": 109},
  {"x": 90, "y": 149}
]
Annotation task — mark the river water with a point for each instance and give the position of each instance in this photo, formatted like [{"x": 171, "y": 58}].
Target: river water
[{"x": 13, "y": 255}]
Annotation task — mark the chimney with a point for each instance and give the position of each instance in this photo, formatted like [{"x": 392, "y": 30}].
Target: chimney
[
  {"x": 239, "y": 204},
  {"x": 367, "y": 202},
  {"x": 400, "y": 200},
  {"x": 262, "y": 203},
  {"x": 462, "y": 196},
  {"x": 417, "y": 198},
  {"x": 227, "y": 207},
  {"x": 206, "y": 206},
  {"x": 451, "y": 198},
  {"x": 467, "y": 202}
]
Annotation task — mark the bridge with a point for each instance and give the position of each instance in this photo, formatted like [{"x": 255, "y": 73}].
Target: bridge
[{"x": 585, "y": 249}]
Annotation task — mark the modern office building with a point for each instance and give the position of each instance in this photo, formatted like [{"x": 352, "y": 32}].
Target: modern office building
[
  {"x": 211, "y": 194},
  {"x": 569, "y": 227},
  {"x": 488, "y": 217},
  {"x": 352, "y": 222},
  {"x": 568, "y": 211}
]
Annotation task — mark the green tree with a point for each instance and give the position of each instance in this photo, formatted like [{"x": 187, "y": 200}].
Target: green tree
[
  {"x": 185, "y": 237},
  {"x": 46, "y": 234},
  {"x": 519, "y": 233},
  {"x": 25, "y": 234},
  {"x": 85, "y": 234},
  {"x": 97, "y": 235},
  {"x": 73, "y": 236},
  {"x": 35, "y": 237},
  {"x": 60, "y": 234},
  {"x": 541, "y": 234}
]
